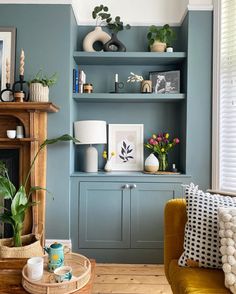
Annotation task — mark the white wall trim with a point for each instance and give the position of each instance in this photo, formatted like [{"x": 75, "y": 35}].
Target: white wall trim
[
  {"x": 200, "y": 7},
  {"x": 216, "y": 97},
  {"x": 35, "y": 1},
  {"x": 75, "y": 7},
  {"x": 138, "y": 24}
]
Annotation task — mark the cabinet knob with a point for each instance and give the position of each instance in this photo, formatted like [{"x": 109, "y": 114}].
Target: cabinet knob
[
  {"x": 126, "y": 186},
  {"x": 133, "y": 186}
]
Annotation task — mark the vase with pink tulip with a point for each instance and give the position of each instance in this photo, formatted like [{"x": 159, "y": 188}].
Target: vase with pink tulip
[{"x": 161, "y": 144}]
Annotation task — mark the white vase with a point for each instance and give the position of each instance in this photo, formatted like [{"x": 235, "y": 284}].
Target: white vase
[
  {"x": 108, "y": 166},
  {"x": 38, "y": 92},
  {"x": 151, "y": 163},
  {"x": 97, "y": 35}
]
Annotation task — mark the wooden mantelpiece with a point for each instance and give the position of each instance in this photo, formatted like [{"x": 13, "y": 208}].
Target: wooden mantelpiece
[{"x": 33, "y": 117}]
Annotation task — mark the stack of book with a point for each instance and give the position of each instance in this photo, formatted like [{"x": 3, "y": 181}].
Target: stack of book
[{"x": 79, "y": 78}]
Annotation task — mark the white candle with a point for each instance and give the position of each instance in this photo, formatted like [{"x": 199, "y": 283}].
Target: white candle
[
  {"x": 22, "y": 62},
  {"x": 7, "y": 71},
  {"x": 116, "y": 78}
]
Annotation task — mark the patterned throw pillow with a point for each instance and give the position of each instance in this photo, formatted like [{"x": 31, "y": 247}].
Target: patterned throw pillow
[
  {"x": 227, "y": 221},
  {"x": 202, "y": 241}
]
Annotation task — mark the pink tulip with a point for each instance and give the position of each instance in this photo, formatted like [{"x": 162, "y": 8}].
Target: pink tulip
[
  {"x": 159, "y": 139},
  {"x": 176, "y": 140},
  {"x": 155, "y": 142},
  {"x": 151, "y": 141}
]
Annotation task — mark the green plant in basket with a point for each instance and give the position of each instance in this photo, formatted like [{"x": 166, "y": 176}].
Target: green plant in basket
[{"x": 21, "y": 199}]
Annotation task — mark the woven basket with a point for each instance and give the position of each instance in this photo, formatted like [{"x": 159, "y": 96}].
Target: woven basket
[{"x": 31, "y": 247}]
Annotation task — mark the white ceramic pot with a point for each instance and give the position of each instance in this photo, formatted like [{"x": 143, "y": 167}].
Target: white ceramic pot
[
  {"x": 97, "y": 35},
  {"x": 39, "y": 93},
  {"x": 158, "y": 47},
  {"x": 151, "y": 163},
  {"x": 108, "y": 166}
]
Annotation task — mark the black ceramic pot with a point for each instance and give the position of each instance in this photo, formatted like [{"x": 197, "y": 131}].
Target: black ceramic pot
[{"x": 114, "y": 44}]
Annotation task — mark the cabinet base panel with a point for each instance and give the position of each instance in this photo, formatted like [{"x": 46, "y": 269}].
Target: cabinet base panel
[{"x": 152, "y": 256}]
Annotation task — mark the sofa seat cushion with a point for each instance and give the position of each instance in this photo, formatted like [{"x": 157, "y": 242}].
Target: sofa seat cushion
[{"x": 195, "y": 280}]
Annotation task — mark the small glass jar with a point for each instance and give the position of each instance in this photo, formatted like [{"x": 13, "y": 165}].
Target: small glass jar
[{"x": 88, "y": 88}]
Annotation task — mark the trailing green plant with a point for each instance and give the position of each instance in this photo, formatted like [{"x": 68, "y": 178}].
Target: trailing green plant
[
  {"x": 21, "y": 199},
  {"x": 164, "y": 34},
  {"x": 102, "y": 16},
  {"x": 46, "y": 81}
]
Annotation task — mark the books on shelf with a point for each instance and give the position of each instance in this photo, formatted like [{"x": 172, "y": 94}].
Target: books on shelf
[{"x": 79, "y": 78}]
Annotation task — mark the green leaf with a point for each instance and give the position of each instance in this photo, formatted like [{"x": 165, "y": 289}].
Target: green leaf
[
  {"x": 19, "y": 199},
  {"x": 7, "y": 189},
  {"x": 105, "y": 8},
  {"x": 62, "y": 138},
  {"x": 6, "y": 218}
]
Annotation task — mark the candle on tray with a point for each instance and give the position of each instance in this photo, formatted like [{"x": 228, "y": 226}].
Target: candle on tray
[
  {"x": 7, "y": 71},
  {"x": 22, "y": 62}
]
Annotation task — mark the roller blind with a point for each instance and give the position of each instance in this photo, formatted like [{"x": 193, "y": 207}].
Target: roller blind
[{"x": 227, "y": 123}]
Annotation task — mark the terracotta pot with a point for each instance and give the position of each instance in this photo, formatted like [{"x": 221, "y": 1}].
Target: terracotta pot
[
  {"x": 158, "y": 47},
  {"x": 39, "y": 93}
]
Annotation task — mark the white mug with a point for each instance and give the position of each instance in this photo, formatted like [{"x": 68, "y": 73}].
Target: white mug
[
  {"x": 11, "y": 134},
  {"x": 35, "y": 268}
]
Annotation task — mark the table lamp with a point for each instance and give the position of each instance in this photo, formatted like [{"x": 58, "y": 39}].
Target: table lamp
[{"x": 91, "y": 132}]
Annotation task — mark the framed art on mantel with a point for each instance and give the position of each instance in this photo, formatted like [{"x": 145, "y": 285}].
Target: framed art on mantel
[
  {"x": 126, "y": 140},
  {"x": 7, "y": 55}
]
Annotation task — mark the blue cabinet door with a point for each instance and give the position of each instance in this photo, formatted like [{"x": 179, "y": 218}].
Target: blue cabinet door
[
  {"x": 104, "y": 215},
  {"x": 147, "y": 212}
]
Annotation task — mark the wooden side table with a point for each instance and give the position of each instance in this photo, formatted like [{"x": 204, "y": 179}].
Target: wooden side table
[{"x": 10, "y": 277}]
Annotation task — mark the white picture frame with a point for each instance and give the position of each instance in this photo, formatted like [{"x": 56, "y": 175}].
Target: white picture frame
[
  {"x": 126, "y": 140},
  {"x": 7, "y": 51}
]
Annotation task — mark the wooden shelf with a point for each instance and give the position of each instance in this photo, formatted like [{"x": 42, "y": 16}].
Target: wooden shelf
[
  {"x": 128, "y": 58},
  {"x": 127, "y": 97},
  {"x": 18, "y": 140},
  {"x": 39, "y": 106}
]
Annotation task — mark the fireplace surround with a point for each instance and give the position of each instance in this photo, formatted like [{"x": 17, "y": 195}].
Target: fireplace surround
[{"x": 32, "y": 117}]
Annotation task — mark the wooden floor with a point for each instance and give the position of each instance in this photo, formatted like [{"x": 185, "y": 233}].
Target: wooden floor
[{"x": 130, "y": 279}]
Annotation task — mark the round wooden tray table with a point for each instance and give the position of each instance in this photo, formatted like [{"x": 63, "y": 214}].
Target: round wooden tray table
[{"x": 81, "y": 272}]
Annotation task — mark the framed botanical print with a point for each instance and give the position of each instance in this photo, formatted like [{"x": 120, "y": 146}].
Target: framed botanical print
[
  {"x": 126, "y": 140},
  {"x": 7, "y": 56}
]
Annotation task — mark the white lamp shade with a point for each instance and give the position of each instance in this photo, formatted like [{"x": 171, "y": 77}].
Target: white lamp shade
[{"x": 90, "y": 131}]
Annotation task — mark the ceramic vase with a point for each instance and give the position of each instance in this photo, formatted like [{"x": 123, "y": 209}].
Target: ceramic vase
[
  {"x": 38, "y": 92},
  {"x": 114, "y": 44},
  {"x": 97, "y": 35},
  {"x": 108, "y": 166},
  {"x": 151, "y": 163}
]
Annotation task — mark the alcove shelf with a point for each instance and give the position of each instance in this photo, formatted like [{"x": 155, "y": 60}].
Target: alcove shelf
[
  {"x": 127, "y": 97},
  {"x": 128, "y": 58},
  {"x": 36, "y": 106}
]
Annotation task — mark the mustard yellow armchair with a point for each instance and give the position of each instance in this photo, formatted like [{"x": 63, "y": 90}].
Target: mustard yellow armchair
[{"x": 185, "y": 280}]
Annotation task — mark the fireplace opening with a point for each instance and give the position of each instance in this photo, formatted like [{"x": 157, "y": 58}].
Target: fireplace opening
[{"x": 11, "y": 159}]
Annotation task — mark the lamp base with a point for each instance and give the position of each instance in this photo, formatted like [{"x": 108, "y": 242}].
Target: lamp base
[{"x": 91, "y": 160}]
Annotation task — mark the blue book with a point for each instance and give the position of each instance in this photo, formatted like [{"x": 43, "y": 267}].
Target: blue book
[
  {"x": 76, "y": 80},
  {"x": 74, "y": 70}
]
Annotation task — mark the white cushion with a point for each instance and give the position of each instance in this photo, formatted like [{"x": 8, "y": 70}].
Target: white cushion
[
  {"x": 228, "y": 245},
  {"x": 202, "y": 239}
]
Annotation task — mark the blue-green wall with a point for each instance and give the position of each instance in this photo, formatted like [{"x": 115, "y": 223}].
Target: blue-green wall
[
  {"x": 49, "y": 35},
  {"x": 44, "y": 31}
]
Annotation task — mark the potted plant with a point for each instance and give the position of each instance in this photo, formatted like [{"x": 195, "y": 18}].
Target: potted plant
[
  {"x": 146, "y": 85},
  {"x": 159, "y": 38},
  {"x": 39, "y": 86},
  {"x": 102, "y": 16},
  {"x": 20, "y": 198}
]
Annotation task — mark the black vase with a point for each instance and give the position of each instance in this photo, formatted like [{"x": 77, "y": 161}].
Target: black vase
[{"x": 114, "y": 44}]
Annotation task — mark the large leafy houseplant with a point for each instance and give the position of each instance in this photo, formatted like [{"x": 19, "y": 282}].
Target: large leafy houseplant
[
  {"x": 21, "y": 199},
  {"x": 164, "y": 34}
]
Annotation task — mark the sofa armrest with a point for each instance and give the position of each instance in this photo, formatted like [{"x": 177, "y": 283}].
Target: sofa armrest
[{"x": 175, "y": 217}]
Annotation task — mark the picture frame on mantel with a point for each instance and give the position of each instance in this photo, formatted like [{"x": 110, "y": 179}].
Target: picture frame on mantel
[
  {"x": 126, "y": 140},
  {"x": 7, "y": 52}
]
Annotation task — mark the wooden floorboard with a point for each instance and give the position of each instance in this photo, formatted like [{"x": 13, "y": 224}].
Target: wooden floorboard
[{"x": 130, "y": 279}]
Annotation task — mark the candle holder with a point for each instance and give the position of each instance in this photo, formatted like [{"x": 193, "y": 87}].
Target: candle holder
[
  {"x": 7, "y": 94},
  {"x": 21, "y": 86}
]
